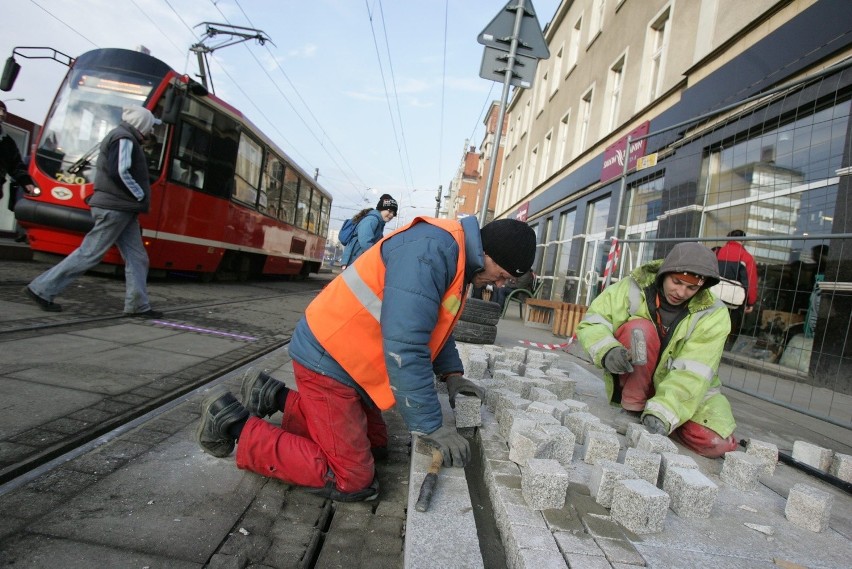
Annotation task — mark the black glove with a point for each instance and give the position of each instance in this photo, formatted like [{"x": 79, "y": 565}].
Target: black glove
[
  {"x": 453, "y": 446},
  {"x": 655, "y": 425},
  {"x": 617, "y": 360},
  {"x": 459, "y": 384}
]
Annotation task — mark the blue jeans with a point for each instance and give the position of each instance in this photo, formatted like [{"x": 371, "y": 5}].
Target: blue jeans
[{"x": 119, "y": 228}]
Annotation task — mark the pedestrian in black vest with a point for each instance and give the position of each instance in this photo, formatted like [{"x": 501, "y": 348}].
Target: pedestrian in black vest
[{"x": 122, "y": 192}]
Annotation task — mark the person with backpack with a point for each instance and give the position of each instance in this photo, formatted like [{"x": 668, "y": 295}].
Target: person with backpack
[
  {"x": 737, "y": 264},
  {"x": 369, "y": 229}
]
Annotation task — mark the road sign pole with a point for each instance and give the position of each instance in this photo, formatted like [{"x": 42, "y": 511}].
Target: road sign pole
[{"x": 513, "y": 50}]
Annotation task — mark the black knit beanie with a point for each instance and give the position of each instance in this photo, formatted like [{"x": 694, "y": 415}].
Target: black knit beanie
[
  {"x": 387, "y": 202},
  {"x": 511, "y": 244}
]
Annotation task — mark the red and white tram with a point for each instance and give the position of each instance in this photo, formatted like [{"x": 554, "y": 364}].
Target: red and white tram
[{"x": 225, "y": 198}]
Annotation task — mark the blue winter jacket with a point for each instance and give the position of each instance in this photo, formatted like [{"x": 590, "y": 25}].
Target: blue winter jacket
[
  {"x": 368, "y": 232},
  {"x": 420, "y": 263}
]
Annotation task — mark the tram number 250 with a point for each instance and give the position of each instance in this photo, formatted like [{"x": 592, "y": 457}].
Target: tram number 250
[{"x": 67, "y": 178}]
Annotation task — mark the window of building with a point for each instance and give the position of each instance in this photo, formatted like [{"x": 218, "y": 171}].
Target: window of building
[
  {"x": 658, "y": 39},
  {"x": 640, "y": 210},
  {"x": 557, "y": 70},
  {"x": 565, "y": 281},
  {"x": 532, "y": 171},
  {"x": 781, "y": 182},
  {"x": 562, "y": 156},
  {"x": 596, "y": 19},
  {"x": 516, "y": 190},
  {"x": 548, "y": 258},
  {"x": 615, "y": 82},
  {"x": 574, "y": 46},
  {"x": 585, "y": 118},
  {"x": 545, "y": 156},
  {"x": 542, "y": 94},
  {"x": 596, "y": 249}
]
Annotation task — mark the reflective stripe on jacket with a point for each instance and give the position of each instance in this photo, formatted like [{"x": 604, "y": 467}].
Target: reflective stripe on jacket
[
  {"x": 345, "y": 317},
  {"x": 686, "y": 380}
]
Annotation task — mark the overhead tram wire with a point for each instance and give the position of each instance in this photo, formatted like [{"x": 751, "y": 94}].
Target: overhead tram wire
[
  {"x": 49, "y": 13},
  {"x": 443, "y": 93},
  {"x": 307, "y": 107},
  {"x": 159, "y": 29},
  {"x": 485, "y": 107},
  {"x": 407, "y": 173},
  {"x": 284, "y": 96},
  {"x": 384, "y": 84}
]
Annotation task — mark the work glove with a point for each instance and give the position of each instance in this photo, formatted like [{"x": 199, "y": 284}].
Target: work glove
[
  {"x": 617, "y": 361},
  {"x": 459, "y": 384},
  {"x": 655, "y": 425},
  {"x": 453, "y": 446}
]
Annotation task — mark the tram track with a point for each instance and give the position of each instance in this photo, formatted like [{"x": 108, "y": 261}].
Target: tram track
[
  {"x": 72, "y": 319},
  {"x": 12, "y": 476},
  {"x": 206, "y": 333}
]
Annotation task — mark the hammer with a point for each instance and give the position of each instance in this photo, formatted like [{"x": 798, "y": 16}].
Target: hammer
[
  {"x": 428, "y": 486},
  {"x": 638, "y": 348}
]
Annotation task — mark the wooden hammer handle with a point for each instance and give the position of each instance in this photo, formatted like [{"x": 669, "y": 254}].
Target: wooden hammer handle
[{"x": 428, "y": 486}]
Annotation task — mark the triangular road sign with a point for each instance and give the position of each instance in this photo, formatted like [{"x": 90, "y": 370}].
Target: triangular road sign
[{"x": 498, "y": 34}]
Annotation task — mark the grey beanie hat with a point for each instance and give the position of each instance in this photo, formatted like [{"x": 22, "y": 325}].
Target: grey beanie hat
[
  {"x": 694, "y": 259},
  {"x": 139, "y": 118}
]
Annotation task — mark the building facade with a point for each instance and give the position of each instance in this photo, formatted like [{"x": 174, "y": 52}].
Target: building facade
[
  {"x": 740, "y": 113},
  {"x": 467, "y": 190}
]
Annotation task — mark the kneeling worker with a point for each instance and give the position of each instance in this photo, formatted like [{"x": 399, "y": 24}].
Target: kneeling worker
[
  {"x": 685, "y": 326},
  {"x": 376, "y": 336}
]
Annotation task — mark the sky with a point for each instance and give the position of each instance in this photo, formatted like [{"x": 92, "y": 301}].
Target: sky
[{"x": 380, "y": 96}]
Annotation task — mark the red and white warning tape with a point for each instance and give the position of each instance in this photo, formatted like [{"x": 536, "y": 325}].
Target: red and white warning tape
[{"x": 562, "y": 346}]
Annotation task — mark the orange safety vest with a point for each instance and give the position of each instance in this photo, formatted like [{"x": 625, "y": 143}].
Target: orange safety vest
[{"x": 346, "y": 316}]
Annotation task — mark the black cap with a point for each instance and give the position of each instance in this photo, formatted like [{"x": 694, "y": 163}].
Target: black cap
[
  {"x": 387, "y": 202},
  {"x": 511, "y": 244}
]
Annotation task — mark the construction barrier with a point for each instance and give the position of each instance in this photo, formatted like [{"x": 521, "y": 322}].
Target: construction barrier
[
  {"x": 560, "y": 317},
  {"x": 567, "y": 317}
]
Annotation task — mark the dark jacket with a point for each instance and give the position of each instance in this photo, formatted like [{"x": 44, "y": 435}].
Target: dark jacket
[
  {"x": 11, "y": 163},
  {"x": 737, "y": 264},
  {"x": 113, "y": 192}
]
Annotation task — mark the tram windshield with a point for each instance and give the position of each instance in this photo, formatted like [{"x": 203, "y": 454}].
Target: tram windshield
[{"x": 89, "y": 104}]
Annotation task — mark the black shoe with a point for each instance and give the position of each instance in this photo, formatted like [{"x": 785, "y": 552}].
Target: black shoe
[
  {"x": 219, "y": 411},
  {"x": 259, "y": 393},
  {"x": 371, "y": 492},
  {"x": 45, "y": 305},
  {"x": 148, "y": 314},
  {"x": 379, "y": 453}
]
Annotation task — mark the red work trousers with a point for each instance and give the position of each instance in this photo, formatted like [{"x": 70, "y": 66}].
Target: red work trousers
[
  {"x": 637, "y": 387},
  {"x": 327, "y": 428}
]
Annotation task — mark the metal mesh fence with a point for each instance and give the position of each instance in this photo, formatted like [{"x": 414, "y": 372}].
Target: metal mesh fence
[{"x": 776, "y": 169}]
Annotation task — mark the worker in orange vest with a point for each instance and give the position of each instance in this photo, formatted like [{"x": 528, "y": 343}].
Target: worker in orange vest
[{"x": 375, "y": 337}]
